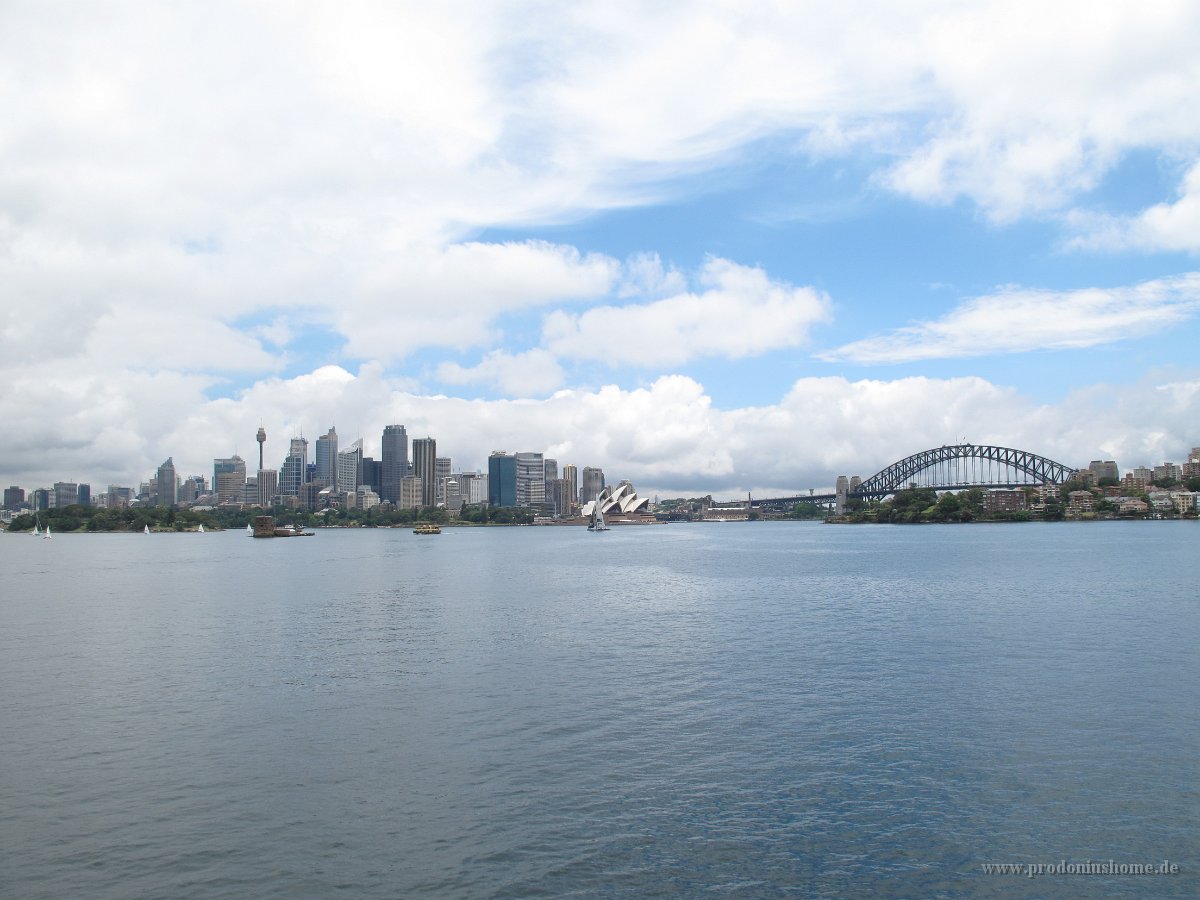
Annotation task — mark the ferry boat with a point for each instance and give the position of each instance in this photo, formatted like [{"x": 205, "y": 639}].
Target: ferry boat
[{"x": 427, "y": 528}]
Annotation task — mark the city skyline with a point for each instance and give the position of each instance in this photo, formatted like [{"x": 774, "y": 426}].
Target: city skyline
[{"x": 708, "y": 250}]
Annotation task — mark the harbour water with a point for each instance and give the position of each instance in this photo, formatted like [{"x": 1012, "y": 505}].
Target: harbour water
[{"x": 755, "y": 709}]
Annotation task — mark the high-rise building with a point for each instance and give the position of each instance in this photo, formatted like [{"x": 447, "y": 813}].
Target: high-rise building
[
  {"x": 42, "y": 499},
  {"x": 531, "y": 480},
  {"x": 85, "y": 495},
  {"x": 268, "y": 486},
  {"x": 570, "y": 476},
  {"x": 66, "y": 493},
  {"x": 550, "y": 467},
  {"x": 410, "y": 492},
  {"x": 424, "y": 451},
  {"x": 229, "y": 476},
  {"x": 372, "y": 474},
  {"x": 349, "y": 468},
  {"x": 294, "y": 473},
  {"x": 441, "y": 471},
  {"x": 393, "y": 461},
  {"x": 13, "y": 497},
  {"x": 327, "y": 451},
  {"x": 592, "y": 484},
  {"x": 168, "y": 485},
  {"x": 472, "y": 486},
  {"x": 502, "y": 479}
]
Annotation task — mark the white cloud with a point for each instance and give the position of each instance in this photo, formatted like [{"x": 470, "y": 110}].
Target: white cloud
[
  {"x": 742, "y": 313},
  {"x": 1164, "y": 226},
  {"x": 534, "y": 372},
  {"x": 1016, "y": 320}
]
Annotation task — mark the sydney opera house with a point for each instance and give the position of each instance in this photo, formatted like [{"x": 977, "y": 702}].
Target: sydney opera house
[{"x": 620, "y": 505}]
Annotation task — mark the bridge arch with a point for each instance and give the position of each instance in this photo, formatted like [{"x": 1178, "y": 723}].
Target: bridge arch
[{"x": 964, "y": 465}]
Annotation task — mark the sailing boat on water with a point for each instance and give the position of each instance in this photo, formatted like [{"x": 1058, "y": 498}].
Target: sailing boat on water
[
  {"x": 146, "y": 530},
  {"x": 597, "y": 523},
  {"x": 201, "y": 528},
  {"x": 37, "y": 531},
  {"x": 46, "y": 533}
]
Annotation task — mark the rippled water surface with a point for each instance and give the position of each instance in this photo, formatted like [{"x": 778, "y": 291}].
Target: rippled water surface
[{"x": 732, "y": 709}]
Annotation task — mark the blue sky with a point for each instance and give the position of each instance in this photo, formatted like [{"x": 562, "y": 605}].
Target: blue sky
[{"x": 709, "y": 248}]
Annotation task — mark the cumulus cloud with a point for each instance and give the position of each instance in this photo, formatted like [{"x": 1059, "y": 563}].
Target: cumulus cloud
[
  {"x": 526, "y": 374},
  {"x": 741, "y": 313},
  {"x": 1164, "y": 226},
  {"x": 1017, "y": 320}
]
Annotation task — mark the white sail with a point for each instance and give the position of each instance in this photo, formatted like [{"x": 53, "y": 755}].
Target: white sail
[
  {"x": 201, "y": 528},
  {"x": 36, "y": 530},
  {"x": 146, "y": 530},
  {"x": 46, "y": 535}
]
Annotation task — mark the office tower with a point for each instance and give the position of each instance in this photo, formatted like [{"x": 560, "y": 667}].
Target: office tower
[
  {"x": 557, "y": 499},
  {"x": 410, "y": 492},
  {"x": 66, "y": 493},
  {"x": 13, "y": 497},
  {"x": 502, "y": 479},
  {"x": 550, "y": 466},
  {"x": 229, "y": 476},
  {"x": 261, "y": 437},
  {"x": 424, "y": 451},
  {"x": 473, "y": 488},
  {"x": 531, "y": 480},
  {"x": 593, "y": 483},
  {"x": 294, "y": 473},
  {"x": 42, "y": 499},
  {"x": 167, "y": 485},
  {"x": 394, "y": 462},
  {"x": 441, "y": 471},
  {"x": 349, "y": 468},
  {"x": 327, "y": 450},
  {"x": 85, "y": 495},
  {"x": 570, "y": 477},
  {"x": 268, "y": 486},
  {"x": 372, "y": 470}
]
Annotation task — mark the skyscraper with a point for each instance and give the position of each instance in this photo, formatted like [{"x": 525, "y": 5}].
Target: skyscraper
[
  {"x": 261, "y": 437},
  {"x": 349, "y": 468},
  {"x": 424, "y": 451},
  {"x": 294, "y": 472},
  {"x": 502, "y": 479},
  {"x": 394, "y": 461},
  {"x": 268, "y": 486},
  {"x": 66, "y": 493},
  {"x": 593, "y": 484},
  {"x": 327, "y": 450},
  {"x": 570, "y": 477},
  {"x": 168, "y": 490},
  {"x": 531, "y": 480},
  {"x": 441, "y": 471},
  {"x": 229, "y": 475}
]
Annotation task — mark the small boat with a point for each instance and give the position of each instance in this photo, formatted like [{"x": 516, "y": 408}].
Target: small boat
[
  {"x": 249, "y": 529},
  {"x": 37, "y": 531},
  {"x": 427, "y": 528},
  {"x": 597, "y": 523},
  {"x": 201, "y": 528},
  {"x": 46, "y": 533},
  {"x": 146, "y": 529}
]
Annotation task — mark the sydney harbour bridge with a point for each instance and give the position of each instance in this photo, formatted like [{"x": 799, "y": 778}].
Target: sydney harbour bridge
[{"x": 951, "y": 467}]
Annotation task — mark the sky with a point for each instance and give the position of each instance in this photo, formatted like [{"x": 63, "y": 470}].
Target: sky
[{"x": 709, "y": 247}]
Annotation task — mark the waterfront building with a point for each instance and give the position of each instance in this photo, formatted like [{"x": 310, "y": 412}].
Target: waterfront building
[
  {"x": 268, "y": 486},
  {"x": 441, "y": 471},
  {"x": 424, "y": 454},
  {"x": 570, "y": 476},
  {"x": 13, "y": 497},
  {"x": 502, "y": 479},
  {"x": 229, "y": 477},
  {"x": 327, "y": 451},
  {"x": 166, "y": 492},
  {"x": 349, "y": 468},
  {"x": 294, "y": 473},
  {"x": 393, "y": 462},
  {"x": 66, "y": 493},
  {"x": 411, "y": 492},
  {"x": 531, "y": 480},
  {"x": 592, "y": 484},
  {"x": 621, "y": 503},
  {"x": 1004, "y": 500}
]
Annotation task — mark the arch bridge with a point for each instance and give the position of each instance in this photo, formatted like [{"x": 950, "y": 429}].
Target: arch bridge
[{"x": 951, "y": 467}]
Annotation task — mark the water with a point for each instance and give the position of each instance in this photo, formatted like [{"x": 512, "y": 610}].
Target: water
[{"x": 758, "y": 710}]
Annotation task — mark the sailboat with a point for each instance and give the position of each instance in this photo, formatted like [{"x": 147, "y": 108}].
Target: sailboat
[
  {"x": 37, "y": 531},
  {"x": 597, "y": 523},
  {"x": 46, "y": 533},
  {"x": 146, "y": 530},
  {"x": 249, "y": 529},
  {"x": 201, "y": 528}
]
